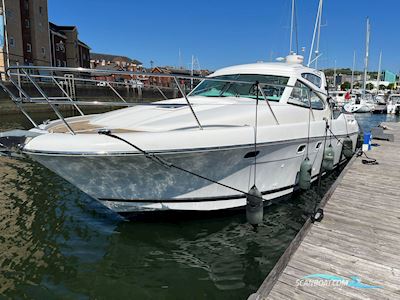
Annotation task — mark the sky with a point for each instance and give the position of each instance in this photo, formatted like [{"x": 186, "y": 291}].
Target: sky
[{"x": 227, "y": 32}]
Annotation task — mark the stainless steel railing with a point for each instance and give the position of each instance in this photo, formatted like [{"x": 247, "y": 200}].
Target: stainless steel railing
[{"x": 37, "y": 76}]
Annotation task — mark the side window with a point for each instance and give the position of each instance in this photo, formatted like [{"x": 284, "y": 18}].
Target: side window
[
  {"x": 299, "y": 95},
  {"x": 314, "y": 79},
  {"x": 302, "y": 96},
  {"x": 316, "y": 102}
]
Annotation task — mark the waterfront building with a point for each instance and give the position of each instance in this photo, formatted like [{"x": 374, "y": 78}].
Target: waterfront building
[
  {"x": 27, "y": 37},
  {"x": 169, "y": 82},
  {"x": 67, "y": 50},
  {"x": 112, "y": 62},
  {"x": 389, "y": 76}
]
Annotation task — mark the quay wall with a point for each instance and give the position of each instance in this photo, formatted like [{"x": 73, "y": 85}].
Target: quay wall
[{"x": 83, "y": 93}]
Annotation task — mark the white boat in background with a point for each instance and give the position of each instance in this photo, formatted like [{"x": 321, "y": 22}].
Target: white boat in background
[
  {"x": 360, "y": 105},
  {"x": 243, "y": 125},
  {"x": 380, "y": 98},
  {"x": 393, "y": 105},
  {"x": 341, "y": 98}
]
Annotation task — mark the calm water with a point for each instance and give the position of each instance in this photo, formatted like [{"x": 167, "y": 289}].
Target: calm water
[{"x": 57, "y": 243}]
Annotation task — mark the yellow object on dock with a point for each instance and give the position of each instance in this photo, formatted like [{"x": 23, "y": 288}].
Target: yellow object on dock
[{"x": 354, "y": 252}]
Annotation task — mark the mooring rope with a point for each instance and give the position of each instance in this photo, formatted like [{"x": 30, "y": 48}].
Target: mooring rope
[
  {"x": 255, "y": 134},
  {"x": 367, "y": 161}
]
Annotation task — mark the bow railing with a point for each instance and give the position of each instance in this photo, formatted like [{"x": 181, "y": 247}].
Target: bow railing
[{"x": 60, "y": 86}]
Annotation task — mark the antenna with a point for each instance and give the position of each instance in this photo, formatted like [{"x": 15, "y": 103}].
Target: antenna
[{"x": 291, "y": 28}]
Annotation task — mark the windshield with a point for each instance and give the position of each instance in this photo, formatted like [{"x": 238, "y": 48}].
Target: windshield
[
  {"x": 210, "y": 88},
  {"x": 395, "y": 98}
]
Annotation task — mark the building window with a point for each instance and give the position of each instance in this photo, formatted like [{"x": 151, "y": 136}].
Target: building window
[
  {"x": 43, "y": 52},
  {"x": 9, "y": 14},
  {"x": 40, "y": 10},
  {"x": 27, "y": 23},
  {"x": 26, "y": 4},
  {"x": 12, "y": 42},
  {"x": 28, "y": 47}
]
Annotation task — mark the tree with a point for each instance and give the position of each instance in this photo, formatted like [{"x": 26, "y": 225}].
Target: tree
[
  {"x": 369, "y": 86},
  {"x": 345, "y": 86},
  {"x": 390, "y": 86},
  {"x": 382, "y": 87}
]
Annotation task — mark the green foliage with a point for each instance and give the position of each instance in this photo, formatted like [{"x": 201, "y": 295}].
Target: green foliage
[
  {"x": 391, "y": 86},
  {"x": 345, "y": 86},
  {"x": 369, "y": 86}
]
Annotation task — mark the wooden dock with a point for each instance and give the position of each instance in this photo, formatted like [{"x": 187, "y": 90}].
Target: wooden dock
[{"x": 358, "y": 236}]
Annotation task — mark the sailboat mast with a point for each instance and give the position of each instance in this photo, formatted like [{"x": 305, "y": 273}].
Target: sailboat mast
[
  {"x": 352, "y": 71},
  {"x": 319, "y": 33},
  {"x": 334, "y": 76},
  {"x": 291, "y": 28},
  {"x": 378, "y": 78},
  {"x": 191, "y": 73},
  {"x": 366, "y": 56},
  {"x": 317, "y": 26}
]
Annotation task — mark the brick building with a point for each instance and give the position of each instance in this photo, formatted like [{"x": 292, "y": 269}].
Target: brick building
[
  {"x": 27, "y": 37},
  {"x": 66, "y": 49},
  {"x": 111, "y": 62}
]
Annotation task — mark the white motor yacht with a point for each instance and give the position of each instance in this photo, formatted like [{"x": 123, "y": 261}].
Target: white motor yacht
[
  {"x": 243, "y": 125},
  {"x": 393, "y": 105}
]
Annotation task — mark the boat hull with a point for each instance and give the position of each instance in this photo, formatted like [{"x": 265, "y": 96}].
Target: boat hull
[
  {"x": 358, "y": 108},
  {"x": 132, "y": 182}
]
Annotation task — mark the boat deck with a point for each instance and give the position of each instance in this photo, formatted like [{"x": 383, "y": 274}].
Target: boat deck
[
  {"x": 82, "y": 127},
  {"x": 358, "y": 236},
  {"x": 78, "y": 127}
]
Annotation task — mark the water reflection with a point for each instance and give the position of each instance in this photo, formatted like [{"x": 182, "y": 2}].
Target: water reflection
[
  {"x": 41, "y": 218},
  {"x": 56, "y": 242}
]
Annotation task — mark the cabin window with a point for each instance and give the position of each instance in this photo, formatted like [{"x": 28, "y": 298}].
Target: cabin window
[
  {"x": 316, "y": 101},
  {"x": 272, "y": 86},
  {"x": 314, "y": 79},
  {"x": 300, "y": 95},
  {"x": 303, "y": 96},
  {"x": 12, "y": 41}
]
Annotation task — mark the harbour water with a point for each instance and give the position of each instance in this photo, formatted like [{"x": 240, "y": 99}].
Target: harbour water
[{"x": 57, "y": 243}]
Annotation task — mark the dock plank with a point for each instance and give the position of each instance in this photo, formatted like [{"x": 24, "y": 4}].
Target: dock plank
[{"x": 359, "y": 235}]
